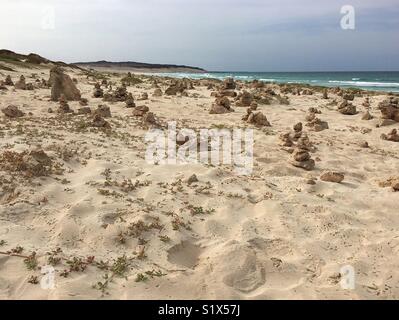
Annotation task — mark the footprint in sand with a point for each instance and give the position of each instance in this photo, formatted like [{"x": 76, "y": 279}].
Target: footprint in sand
[{"x": 184, "y": 254}]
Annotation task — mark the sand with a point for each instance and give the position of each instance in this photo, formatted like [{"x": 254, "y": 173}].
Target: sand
[{"x": 268, "y": 235}]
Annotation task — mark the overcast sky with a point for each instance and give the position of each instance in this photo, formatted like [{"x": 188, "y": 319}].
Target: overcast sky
[{"x": 234, "y": 35}]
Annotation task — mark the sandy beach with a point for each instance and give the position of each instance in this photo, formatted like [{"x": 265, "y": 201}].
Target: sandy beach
[{"x": 77, "y": 193}]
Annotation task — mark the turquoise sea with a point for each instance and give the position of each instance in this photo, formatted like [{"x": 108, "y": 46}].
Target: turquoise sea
[{"x": 379, "y": 81}]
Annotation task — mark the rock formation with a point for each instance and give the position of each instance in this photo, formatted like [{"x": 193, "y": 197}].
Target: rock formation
[
  {"x": 332, "y": 176},
  {"x": 144, "y": 96},
  {"x": 391, "y": 136},
  {"x": 21, "y": 84},
  {"x": 347, "y": 108},
  {"x": 98, "y": 92},
  {"x": 389, "y": 111},
  {"x": 64, "y": 106},
  {"x": 221, "y": 105},
  {"x": 256, "y": 118},
  {"x": 157, "y": 92},
  {"x": 99, "y": 122},
  {"x": 103, "y": 110},
  {"x": 140, "y": 111},
  {"x": 8, "y": 81},
  {"x": 315, "y": 123},
  {"x": 244, "y": 99},
  {"x": 130, "y": 101},
  {"x": 228, "y": 84},
  {"x": 62, "y": 84},
  {"x": 301, "y": 158},
  {"x": 12, "y": 112}
]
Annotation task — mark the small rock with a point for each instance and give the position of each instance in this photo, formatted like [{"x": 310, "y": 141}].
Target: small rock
[{"x": 332, "y": 176}]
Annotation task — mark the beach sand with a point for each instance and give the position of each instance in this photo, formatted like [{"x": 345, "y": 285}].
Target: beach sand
[{"x": 273, "y": 234}]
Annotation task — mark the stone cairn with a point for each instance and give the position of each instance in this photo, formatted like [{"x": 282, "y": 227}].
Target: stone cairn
[
  {"x": 220, "y": 106},
  {"x": 389, "y": 109},
  {"x": 391, "y": 136},
  {"x": 347, "y": 108},
  {"x": 98, "y": 92},
  {"x": 63, "y": 105},
  {"x": 256, "y": 118},
  {"x": 130, "y": 101},
  {"x": 313, "y": 122}
]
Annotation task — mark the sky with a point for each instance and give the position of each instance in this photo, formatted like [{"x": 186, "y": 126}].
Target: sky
[{"x": 217, "y": 35}]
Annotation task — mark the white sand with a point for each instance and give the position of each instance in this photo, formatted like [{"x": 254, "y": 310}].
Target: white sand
[{"x": 271, "y": 236}]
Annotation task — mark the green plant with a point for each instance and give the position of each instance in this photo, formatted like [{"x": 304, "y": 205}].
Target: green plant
[
  {"x": 141, "y": 277},
  {"x": 120, "y": 266},
  {"x": 31, "y": 261}
]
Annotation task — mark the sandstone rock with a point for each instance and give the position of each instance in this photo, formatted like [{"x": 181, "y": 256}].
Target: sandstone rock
[
  {"x": 36, "y": 162},
  {"x": 307, "y": 165},
  {"x": 8, "y": 81},
  {"x": 98, "y": 92},
  {"x": 366, "y": 103},
  {"x": 103, "y": 111},
  {"x": 253, "y": 106},
  {"x": 332, "y": 176},
  {"x": 140, "y": 111},
  {"x": 100, "y": 122},
  {"x": 130, "y": 101},
  {"x": 193, "y": 178},
  {"x": 367, "y": 116},
  {"x": 119, "y": 95},
  {"x": 348, "y": 96},
  {"x": 325, "y": 94},
  {"x": 149, "y": 118},
  {"x": 41, "y": 157},
  {"x": 144, "y": 96},
  {"x": 364, "y": 144},
  {"x": 307, "y": 92},
  {"x": 229, "y": 84},
  {"x": 62, "y": 84},
  {"x": 64, "y": 106},
  {"x": 21, "y": 84},
  {"x": 298, "y": 127},
  {"x": 391, "y": 136},
  {"x": 226, "y": 93},
  {"x": 302, "y": 159},
  {"x": 221, "y": 105},
  {"x": 285, "y": 140},
  {"x": 12, "y": 112},
  {"x": 258, "y": 119},
  {"x": 84, "y": 110},
  {"x": 219, "y": 109},
  {"x": 83, "y": 102},
  {"x": 301, "y": 155},
  {"x": 347, "y": 108},
  {"x": 244, "y": 99},
  {"x": 392, "y": 182},
  {"x": 385, "y": 122},
  {"x": 157, "y": 93}
]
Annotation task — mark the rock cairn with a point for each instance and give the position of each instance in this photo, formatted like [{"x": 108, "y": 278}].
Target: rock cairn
[
  {"x": 347, "y": 108},
  {"x": 62, "y": 84},
  {"x": 220, "y": 106}
]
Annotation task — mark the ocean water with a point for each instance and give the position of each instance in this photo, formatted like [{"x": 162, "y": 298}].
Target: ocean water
[{"x": 378, "y": 81}]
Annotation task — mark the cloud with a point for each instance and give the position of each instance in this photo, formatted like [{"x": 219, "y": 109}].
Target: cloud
[{"x": 218, "y": 34}]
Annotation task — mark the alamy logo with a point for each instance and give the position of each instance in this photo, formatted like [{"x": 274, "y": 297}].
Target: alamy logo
[
  {"x": 347, "y": 277},
  {"x": 210, "y": 146},
  {"x": 47, "y": 281},
  {"x": 348, "y": 20},
  {"x": 48, "y": 18}
]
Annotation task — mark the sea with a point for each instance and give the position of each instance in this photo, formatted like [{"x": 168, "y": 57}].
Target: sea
[{"x": 376, "y": 80}]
